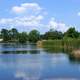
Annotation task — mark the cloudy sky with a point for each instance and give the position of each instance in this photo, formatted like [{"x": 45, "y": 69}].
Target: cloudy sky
[{"x": 42, "y": 15}]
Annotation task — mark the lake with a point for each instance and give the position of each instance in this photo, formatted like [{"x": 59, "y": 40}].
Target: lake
[{"x": 28, "y": 62}]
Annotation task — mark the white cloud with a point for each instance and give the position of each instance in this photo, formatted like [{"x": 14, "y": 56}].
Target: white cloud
[
  {"x": 17, "y": 9},
  {"x": 33, "y": 6},
  {"x": 57, "y": 25},
  {"x": 22, "y": 21},
  {"x": 27, "y": 8},
  {"x": 32, "y": 16},
  {"x": 33, "y": 22},
  {"x": 78, "y": 14}
]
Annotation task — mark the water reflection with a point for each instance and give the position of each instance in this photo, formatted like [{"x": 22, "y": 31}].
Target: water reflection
[
  {"x": 18, "y": 48},
  {"x": 59, "y": 50},
  {"x": 21, "y": 52},
  {"x": 35, "y": 64},
  {"x": 74, "y": 59}
]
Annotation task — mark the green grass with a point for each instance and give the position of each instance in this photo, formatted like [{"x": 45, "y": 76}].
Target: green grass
[{"x": 64, "y": 45}]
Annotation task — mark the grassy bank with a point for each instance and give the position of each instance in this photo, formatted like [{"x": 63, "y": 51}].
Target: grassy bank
[{"x": 64, "y": 45}]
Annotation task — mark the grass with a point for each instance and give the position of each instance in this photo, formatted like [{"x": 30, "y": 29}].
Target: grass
[{"x": 64, "y": 45}]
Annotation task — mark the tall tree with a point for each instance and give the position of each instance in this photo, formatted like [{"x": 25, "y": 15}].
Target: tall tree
[
  {"x": 53, "y": 35},
  {"x": 23, "y": 37},
  {"x": 34, "y": 36},
  {"x": 72, "y": 33},
  {"x": 13, "y": 33},
  {"x": 5, "y": 34}
]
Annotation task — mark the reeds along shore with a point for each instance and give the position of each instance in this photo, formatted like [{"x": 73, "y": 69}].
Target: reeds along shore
[
  {"x": 71, "y": 43},
  {"x": 68, "y": 44}
]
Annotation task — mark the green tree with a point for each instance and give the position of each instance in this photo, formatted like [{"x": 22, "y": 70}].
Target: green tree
[
  {"x": 13, "y": 33},
  {"x": 23, "y": 37},
  {"x": 53, "y": 35},
  {"x": 71, "y": 33},
  {"x": 34, "y": 36},
  {"x": 5, "y": 34}
]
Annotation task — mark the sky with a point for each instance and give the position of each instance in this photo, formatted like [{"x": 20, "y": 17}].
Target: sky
[{"x": 26, "y": 15}]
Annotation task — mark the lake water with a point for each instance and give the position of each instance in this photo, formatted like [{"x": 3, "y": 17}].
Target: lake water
[{"x": 27, "y": 62}]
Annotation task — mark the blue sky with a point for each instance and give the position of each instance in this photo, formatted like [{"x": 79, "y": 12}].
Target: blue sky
[{"x": 26, "y": 15}]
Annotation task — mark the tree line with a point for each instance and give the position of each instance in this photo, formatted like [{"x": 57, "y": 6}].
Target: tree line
[{"x": 33, "y": 36}]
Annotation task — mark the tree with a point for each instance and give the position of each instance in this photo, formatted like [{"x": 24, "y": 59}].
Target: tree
[
  {"x": 5, "y": 34},
  {"x": 22, "y": 37},
  {"x": 34, "y": 36},
  {"x": 53, "y": 35},
  {"x": 71, "y": 33},
  {"x": 13, "y": 33}
]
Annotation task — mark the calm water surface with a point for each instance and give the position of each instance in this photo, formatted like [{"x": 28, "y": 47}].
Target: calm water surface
[{"x": 35, "y": 64}]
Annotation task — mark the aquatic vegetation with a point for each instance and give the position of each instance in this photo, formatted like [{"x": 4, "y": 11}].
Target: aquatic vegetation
[{"x": 64, "y": 44}]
